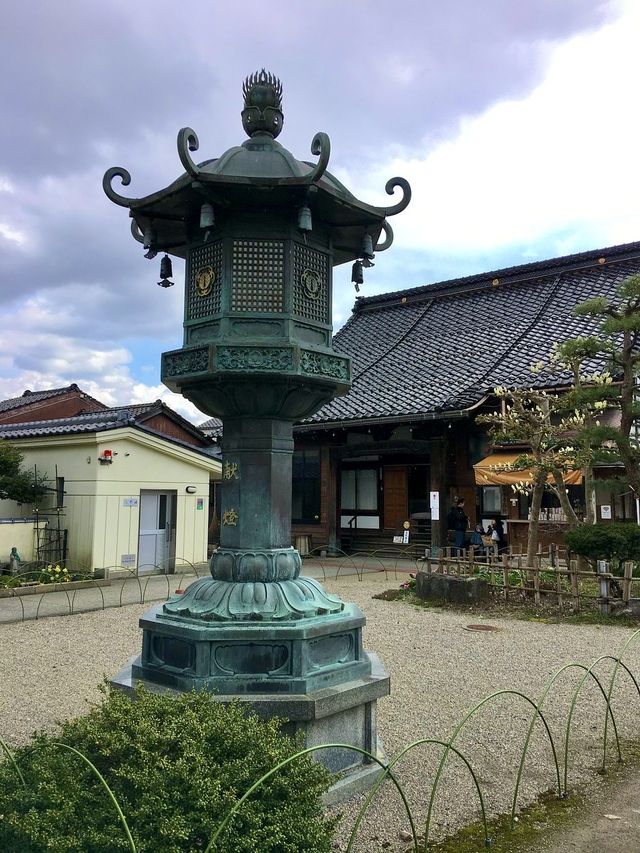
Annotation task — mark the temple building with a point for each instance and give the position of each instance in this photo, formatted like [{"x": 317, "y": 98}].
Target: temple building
[{"x": 404, "y": 442}]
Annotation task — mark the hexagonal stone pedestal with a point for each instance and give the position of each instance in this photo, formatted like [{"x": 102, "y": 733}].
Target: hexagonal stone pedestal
[{"x": 311, "y": 672}]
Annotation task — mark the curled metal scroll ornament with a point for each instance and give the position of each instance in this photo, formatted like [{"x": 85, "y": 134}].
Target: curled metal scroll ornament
[
  {"x": 388, "y": 230},
  {"x": 188, "y": 141},
  {"x": 125, "y": 177},
  {"x": 391, "y": 184},
  {"x": 136, "y": 233},
  {"x": 321, "y": 147}
]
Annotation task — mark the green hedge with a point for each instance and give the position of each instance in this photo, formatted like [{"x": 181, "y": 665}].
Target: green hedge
[
  {"x": 616, "y": 542},
  {"x": 176, "y": 767}
]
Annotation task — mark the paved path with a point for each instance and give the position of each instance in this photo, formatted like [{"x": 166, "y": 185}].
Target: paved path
[{"x": 608, "y": 821}]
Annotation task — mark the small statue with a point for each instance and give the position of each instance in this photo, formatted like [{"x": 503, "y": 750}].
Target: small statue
[{"x": 14, "y": 561}]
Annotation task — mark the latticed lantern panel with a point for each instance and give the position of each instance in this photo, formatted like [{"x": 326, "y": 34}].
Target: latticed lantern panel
[
  {"x": 311, "y": 284},
  {"x": 257, "y": 276},
  {"x": 204, "y": 286}
]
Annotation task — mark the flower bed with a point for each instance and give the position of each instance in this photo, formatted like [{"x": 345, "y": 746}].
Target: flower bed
[{"x": 35, "y": 588}]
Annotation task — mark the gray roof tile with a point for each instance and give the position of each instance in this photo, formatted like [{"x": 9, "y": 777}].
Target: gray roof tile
[{"x": 443, "y": 347}]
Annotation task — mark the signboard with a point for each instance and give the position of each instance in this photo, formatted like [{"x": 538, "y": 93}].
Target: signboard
[
  {"x": 397, "y": 540},
  {"x": 605, "y": 511},
  {"x": 199, "y": 503},
  {"x": 130, "y": 502},
  {"x": 128, "y": 560},
  {"x": 434, "y": 503},
  {"x": 405, "y": 537}
]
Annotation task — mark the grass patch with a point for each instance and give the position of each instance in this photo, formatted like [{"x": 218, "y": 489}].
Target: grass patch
[{"x": 544, "y": 614}]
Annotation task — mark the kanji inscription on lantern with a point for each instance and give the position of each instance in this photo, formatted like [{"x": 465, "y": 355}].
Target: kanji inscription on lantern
[
  {"x": 230, "y": 517},
  {"x": 231, "y": 471},
  {"x": 204, "y": 280},
  {"x": 311, "y": 284}
]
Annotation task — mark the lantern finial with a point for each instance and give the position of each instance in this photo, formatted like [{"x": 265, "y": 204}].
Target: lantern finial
[{"x": 262, "y": 111}]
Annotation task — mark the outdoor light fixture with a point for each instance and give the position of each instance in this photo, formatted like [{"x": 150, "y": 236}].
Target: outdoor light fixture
[
  {"x": 258, "y": 355},
  {"x": 191, "y": 490},
  {"x": 304, "y": 219},
  {"x": 207, "y": 216},
  {"x": 166, "y": 272}
]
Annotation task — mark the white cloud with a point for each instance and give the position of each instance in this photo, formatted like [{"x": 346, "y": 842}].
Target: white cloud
[
  {"x": 44, "y": 358},
  {"x": 560, "y": 161},
  {"x": 11, "y": 234}
]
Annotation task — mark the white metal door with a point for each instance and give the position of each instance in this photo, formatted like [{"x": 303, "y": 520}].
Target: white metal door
[{"x": 156, "y": 530}]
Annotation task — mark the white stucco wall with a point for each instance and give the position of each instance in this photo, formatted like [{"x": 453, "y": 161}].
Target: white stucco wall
[{"x": 102, "y": 501}]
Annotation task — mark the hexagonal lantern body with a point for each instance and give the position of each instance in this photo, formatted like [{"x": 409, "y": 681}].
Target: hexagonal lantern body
[{"x": 257, "y": 327}]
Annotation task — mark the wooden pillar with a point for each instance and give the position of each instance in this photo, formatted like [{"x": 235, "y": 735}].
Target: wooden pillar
[
  {"x": 331, "y": 507},
  {"x": 438, "y": 484}
]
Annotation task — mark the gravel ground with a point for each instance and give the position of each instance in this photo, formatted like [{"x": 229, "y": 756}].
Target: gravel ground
[{"x": 50, "y": 669}]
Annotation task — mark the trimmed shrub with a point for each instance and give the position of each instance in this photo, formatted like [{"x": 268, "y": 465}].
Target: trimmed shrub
[
  {"x": 616, "y": 542},
  {"x": 176, "y": 767}
]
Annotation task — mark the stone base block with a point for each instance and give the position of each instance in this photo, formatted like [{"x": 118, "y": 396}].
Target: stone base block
[
  {"x": 451, "y": 588},
  {"x": 343, "y": 713}
]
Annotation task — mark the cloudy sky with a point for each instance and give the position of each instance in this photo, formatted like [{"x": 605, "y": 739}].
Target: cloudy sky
[{"x": 516, "y": 124}]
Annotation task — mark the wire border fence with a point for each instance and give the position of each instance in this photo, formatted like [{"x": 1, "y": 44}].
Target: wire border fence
[{"x": 145, "y": 581}]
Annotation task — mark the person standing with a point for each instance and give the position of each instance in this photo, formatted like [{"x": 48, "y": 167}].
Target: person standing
[{"x": 458, "y": 521}]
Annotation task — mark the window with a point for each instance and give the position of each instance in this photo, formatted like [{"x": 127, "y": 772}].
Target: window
[
  {"x": 360, "y": 489},
  {"x": 59, "y": 491},
  {"x": 491, "y": 499},
  {"x": 305, "y": 498}
]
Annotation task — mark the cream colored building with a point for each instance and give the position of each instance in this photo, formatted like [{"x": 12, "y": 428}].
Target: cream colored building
[{"x": 129, "y": 496}]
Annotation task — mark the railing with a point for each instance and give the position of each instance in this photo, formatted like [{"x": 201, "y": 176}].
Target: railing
[{"x": 115, "y": 586}]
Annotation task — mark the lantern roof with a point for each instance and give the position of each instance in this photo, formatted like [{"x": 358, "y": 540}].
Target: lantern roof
[{"x": 260, "y": 173}]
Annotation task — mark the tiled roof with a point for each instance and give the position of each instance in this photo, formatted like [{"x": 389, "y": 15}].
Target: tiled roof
[
  {"x": 443, "y": 347},
  {"x": 212, "y": 427},
  {"x": 86, "y": 422},
  {"x": 29, "y": 397},
  {"x": 114, "y": 418}
]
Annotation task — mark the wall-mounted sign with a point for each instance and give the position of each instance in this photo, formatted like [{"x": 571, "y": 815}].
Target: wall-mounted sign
[
  {"x": 128, "y": 560},
  {"x": 605, "y": 511},
  {"x": 405, "y": 537},
  {"x": 434, "y": 503},
  {"x": 397, "y": 540},
  {"x": 199, "y": 503},
  {"x": 130, "y": 502}
]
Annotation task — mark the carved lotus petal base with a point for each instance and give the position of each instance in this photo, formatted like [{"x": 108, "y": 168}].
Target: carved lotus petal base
[
  {"x": 275, "y": 564},
  {"x": 215, "y": 600}
]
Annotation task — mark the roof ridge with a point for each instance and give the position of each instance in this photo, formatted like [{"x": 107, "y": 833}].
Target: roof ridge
[{"x": 513, "y": 274}]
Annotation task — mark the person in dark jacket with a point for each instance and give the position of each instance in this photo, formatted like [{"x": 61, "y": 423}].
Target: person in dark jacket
[{"x": 458, "y": 521}]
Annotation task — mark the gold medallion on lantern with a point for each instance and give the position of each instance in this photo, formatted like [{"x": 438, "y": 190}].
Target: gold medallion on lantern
[
  {"x": 204, "y": 280},
  {"x": 311, "y": 284}
]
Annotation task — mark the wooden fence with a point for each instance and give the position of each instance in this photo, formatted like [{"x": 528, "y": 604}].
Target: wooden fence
[{"x": 554, "y": 576}]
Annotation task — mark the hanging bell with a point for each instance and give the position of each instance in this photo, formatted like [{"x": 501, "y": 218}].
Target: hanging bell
[
  {"x": 367, "y": 247},
  {"x": 166, "y": 272},
  {"x": 357, "y": 276},
  {"x": 207, "y": 216},
  {"x": 149, "y": 237},
  {"x": 304, "y": 219}
]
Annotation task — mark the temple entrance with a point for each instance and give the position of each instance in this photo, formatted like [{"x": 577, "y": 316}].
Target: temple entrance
[{"x": 395, "y": 496}]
